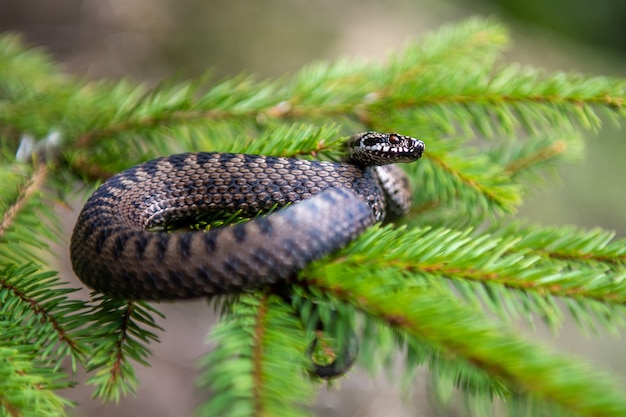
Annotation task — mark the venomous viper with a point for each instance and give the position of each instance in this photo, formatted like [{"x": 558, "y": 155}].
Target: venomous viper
[{"x": 114, "y": 252}]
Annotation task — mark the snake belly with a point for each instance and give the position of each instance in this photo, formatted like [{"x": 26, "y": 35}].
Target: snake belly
[{"x": 113, "y": 252}]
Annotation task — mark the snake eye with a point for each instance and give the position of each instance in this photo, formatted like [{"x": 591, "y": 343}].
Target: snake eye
[{"x": 394, "y": 140}]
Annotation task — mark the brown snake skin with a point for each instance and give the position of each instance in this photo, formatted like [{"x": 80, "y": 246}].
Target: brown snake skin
[{"x": 112, "y": 252}]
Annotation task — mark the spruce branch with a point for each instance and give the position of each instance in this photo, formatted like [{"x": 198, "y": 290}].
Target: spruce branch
[
  {"x": 119, "y": 332},
  {"x": 468, "y": 43},
  {"x": 537, "y": 155},
  {"x": 514, "y": 97},
  {"x": 167, "y": 106},
  {"x": 474, "y": 180},
  {"x": 26, "y": 385},
  {"x": 514, "y": 168},
  {"x": 427, "y": 314},
  {"x": 575, "y": 246},
  {"x": 298, "y": 140},
  {"x": 22, "y": 212},
  {"x": 37, "y": 300},
  {"x": 25, "y": 69},
  {"x": 262, "y": 343},
  {"x": 12, "y": 208},
  {"x": 488, "y": 270},
  {"x": 306, "y": 96}
]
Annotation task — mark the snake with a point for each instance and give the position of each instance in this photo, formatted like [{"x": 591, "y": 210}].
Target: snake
[
  {"x": 316, "y": 208},
  {"x": 113, "y": 250}
]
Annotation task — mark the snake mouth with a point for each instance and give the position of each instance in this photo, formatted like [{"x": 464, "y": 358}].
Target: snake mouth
[
  {"x": 411, "y": 154},
  {"x": 404, "y": 148}
]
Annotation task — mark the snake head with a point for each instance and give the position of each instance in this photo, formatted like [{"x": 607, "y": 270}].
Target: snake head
[{"x": 375, "y": 148}]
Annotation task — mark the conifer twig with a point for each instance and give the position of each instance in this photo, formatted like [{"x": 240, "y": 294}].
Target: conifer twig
[
  {"x": 44, "y": 315},
  {"x": 257, "y": 356},
  {"x": 32, "y": 185},
  {"x": 549, "y": 151}
]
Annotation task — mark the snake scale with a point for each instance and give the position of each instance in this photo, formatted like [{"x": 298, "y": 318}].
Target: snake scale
[{"x": 328, "y": 205}]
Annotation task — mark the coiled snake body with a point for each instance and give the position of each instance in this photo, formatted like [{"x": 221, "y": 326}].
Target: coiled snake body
[{"x": 113, "y": 252}]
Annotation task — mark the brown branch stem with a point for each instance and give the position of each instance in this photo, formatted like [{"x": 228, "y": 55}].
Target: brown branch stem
[
  {"x": 30, "y": 186},
  {"x": 257, "y": 355}
]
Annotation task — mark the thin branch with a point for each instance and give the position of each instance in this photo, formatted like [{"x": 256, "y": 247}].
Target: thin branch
[
  {"x": 575, "y": 255},
  {"x": 424, "y": 207},
  {"x": 471, "y": 274},
  {"x": 87, "y": 139},
  {"x": 553, "y": 149},
  {"x": 616, "y": 103},
  {"x": 10, "y": 408},
  {"x": 257, "y": 356},
  {"x": 44, "y": 316},
  {"x": 117, "y": 370},
  {"x": 468, "y": 181},
  {"x": 32, "y": 184}
]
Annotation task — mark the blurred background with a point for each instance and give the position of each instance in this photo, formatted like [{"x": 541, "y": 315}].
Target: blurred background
[{"x": 149, "y": 40}]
